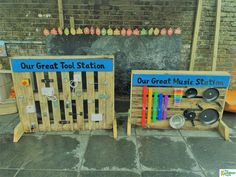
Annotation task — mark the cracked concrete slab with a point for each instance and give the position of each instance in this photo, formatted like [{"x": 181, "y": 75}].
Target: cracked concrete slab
[
  {"x": 165, "y": 153},
  {"x": 7, "y": 172},
  {"x": 44, "y": 173},
  {"x": 103, "y": 152},
  {"x": 171, "y": 174},
  {"x": 213, "y": 153},
  {"x": 154, "y": 132},
  {"x": 108, "y": 174}
]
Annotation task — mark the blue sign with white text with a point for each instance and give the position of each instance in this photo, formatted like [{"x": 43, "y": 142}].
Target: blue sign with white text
[
  {"x": 168, "y": 80},
  {"x": 62, "y": 65}
]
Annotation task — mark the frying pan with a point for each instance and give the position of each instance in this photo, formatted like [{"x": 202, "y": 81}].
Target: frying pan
[
  {"x": 209, "y": 116},
  {"x": 191, "y": 93},
  {"x": 190, "y": 115},
  {"x": 211, "y": 94}
]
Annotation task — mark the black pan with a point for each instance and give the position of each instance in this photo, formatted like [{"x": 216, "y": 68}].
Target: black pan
[
  {"x": 211, "y": 94},
  {"x": 191, "y": 93},
  {"x": 190, "y": 115},
  {"x": 209, "y": 116}
]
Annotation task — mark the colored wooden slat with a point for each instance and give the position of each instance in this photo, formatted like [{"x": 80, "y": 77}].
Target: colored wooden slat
[
  {"x": 56, "y": 103},
  {"x": 154, "y": 107},
  {"x": 144, "y": 105},
  {"x": 150, "y": 91},
  {"x": 60, "y": 13},
  {"x": 67, "y": 101},
  {"x": 165, "y": 107},
  {"x": 43, "y": 103},
  {"x": 160, "y": 106},
  {"x": 91, "y": 100}
]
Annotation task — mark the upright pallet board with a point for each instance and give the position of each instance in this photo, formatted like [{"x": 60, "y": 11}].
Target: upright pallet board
[
  {"x": 64, "y": 93},
  {"x": 164, "y": 82}
]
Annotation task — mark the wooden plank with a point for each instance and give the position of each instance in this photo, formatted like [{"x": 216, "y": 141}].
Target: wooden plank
[
  {"x": 102, "y": 100},
  {"x": 164, "y": 124},
  {"x": 115, "y": 134},
  {"x": 137, "y": 91},
  {"x": 129, "y": 125},
  {"x": 18, "y": 132},
  {"x": 67, "y": 101},
  {"x": 60, "y": 14},
  {"x": 79, "y": 96},
  {"x": 217, "y": 34},
  {"x": 91, "y": 100},
  {"x": 150, "y": 91},
  {"x": 43, "y": 103},
  {"x": 195, "y": 35},
  {"x": 224, "y": 130},
  {"x": 8, "y": 107},
  {"x": 55, "y": 103},
  {"x": 110, "y": 102},
  {"x": 72, "y": 22}
]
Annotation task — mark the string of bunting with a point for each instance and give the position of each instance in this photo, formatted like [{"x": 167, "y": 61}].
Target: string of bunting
[{"x": 110, "y": 32}]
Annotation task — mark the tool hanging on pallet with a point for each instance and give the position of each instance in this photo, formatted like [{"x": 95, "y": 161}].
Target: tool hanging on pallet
[
  {"x": 154, "y": 107},
  {"x": 178, "y": 95},
  {"x": 143, "y": 121},
  {"x": 160, "y": 102}
]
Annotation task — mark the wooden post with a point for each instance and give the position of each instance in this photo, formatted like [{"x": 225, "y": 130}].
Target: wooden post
[
  {"x": 217, "y": 33},
  {"x": 60, "y": 12},
  {"x": 195, "y": 36}
]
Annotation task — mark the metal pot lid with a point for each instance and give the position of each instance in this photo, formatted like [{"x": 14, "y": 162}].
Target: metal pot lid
[
  {"x": 211, "y": 94},
  {"x": 189, "y": 114},
  {"x": 191, "y": 93},
  {"x": 209, "y": 116},
  {"x": 177, "y": 121}
]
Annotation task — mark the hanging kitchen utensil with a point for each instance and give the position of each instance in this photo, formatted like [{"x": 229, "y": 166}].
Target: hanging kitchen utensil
[
  {"x": 170, "y": 32},
  {"x": 116, "y": 32},
  {"x": 156, "y": 32},
  {"x": 104, "y": 31},
  {"x": 66, "y": 31},
  {"x": 177, "y": 121},
  {"x": 129, "y": 32},
  {"x": 59, "y": 30},
  {"x": 98, "y": 31},
  {"x": 210, "y": 94},
  {"x": 154, "y": 107},
  {"x": 79, "y": 31},
  {"x": 123, "y": 32},
  {"x": 92, "y": 30},
  {"x": 209, "y": 116},
  {"x": 150, "y": 31},
  {"x": 46, "y": 32},
  {"x": 143, "y": 31},
  {"x": 149, "y": 120},
  {"x": 109, "y": 32},
  {"x": 191, "y": 93},
  {"x": 163, "y": 32},
  {"x": 160, "y": 102},
  {"x": 143, "y": 121},
  {"x": 165, "y": 107},
  {"x": 190, "y": 115}
]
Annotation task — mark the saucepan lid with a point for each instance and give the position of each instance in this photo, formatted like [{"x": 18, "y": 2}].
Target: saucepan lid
[
  {"x": 211, "y": 94},
  {"x": 209, "y": 116}
]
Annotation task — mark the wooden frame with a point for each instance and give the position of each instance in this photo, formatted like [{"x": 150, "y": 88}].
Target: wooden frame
[
  {"x": 135, "y": 111},
  {"x": 67, "y": 112}
]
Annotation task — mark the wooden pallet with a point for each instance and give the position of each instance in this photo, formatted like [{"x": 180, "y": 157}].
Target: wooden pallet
[
  {"x": 71, "y": 109},
  {"x": 135, "y": 113}
]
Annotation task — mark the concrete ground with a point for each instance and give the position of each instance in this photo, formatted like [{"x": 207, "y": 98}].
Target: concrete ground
[{"x": 147, "y": 153}]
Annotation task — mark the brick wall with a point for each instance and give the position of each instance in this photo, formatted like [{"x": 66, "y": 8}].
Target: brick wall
[{"x": 25, "y": 19}]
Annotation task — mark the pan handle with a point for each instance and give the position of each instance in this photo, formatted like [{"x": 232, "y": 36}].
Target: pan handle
[
  {"x": 219, "y": 104},
  {"x": 200, "y": 107}
]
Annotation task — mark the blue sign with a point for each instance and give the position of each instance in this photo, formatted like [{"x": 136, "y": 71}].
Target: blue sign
[
  {"x": 169, "y": 80},
  {"x": 61, "y": 65}
]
